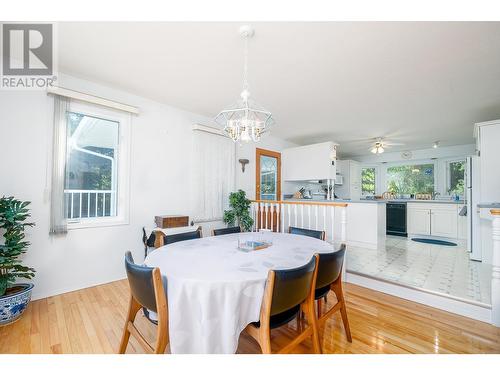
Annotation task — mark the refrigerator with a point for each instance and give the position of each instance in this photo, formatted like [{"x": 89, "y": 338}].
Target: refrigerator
[{"x": 472, "y": 198}]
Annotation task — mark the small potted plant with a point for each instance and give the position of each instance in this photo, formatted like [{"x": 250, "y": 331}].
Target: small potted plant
[
  {"x": 14, "y": 297},
  {"x": 239, "y": 211}
]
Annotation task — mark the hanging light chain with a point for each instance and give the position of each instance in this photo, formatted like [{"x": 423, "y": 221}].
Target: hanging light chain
[{"x": 245, "y": 64}]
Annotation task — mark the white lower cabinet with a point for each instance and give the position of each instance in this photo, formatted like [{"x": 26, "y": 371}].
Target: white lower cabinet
[
  {"x": 418, "y": 220},
  {"x": 444, "y": 223},
  {"x": 433, "y": 220}
]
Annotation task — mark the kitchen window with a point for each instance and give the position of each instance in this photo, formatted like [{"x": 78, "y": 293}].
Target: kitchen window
[
  {"x": 368, "y": 181},
  {"x": 95, "y": 181},
  {"x": 455, "y": 177},
  {"x": 411, "y": 179}
]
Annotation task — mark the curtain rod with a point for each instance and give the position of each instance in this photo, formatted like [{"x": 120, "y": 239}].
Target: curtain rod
[{"x": 61, "y": 91}]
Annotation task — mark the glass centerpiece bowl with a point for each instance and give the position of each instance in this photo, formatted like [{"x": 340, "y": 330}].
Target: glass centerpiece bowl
[{"x": 254, "y": 241}]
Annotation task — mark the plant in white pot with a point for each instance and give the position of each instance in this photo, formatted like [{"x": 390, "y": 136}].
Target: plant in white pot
[{"x": 14, "y": 297}]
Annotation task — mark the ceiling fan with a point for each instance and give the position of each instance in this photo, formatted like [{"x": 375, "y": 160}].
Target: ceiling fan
[{"x": 380, "y": 145}]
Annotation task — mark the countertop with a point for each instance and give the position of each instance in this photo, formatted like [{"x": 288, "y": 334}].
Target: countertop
[
  {"x": 489, "y": 205},
  {"x": 427, "y": 201},
  {"x": 380, "y": 201},
  {"x": 336, "y": 200}
]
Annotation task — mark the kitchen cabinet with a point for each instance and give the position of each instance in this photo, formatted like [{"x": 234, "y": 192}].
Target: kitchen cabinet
[
  {"x": 351, "y": 186},
  {"x": 444, "y": 222},
  {"x": 311, "y": 162},
  {"x": 419, "y": 221},
  {"x": 429, "y": 219}
]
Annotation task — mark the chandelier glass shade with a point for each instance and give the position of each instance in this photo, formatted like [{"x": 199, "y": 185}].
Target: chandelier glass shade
[{"x": 245, "y": 120}]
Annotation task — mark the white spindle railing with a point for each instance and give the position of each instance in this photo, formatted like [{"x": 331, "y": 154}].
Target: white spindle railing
[
  {"x": 278, "y": 216},
  {"x": 82, "y": 204},
  {"x": 495, "y": 275}
]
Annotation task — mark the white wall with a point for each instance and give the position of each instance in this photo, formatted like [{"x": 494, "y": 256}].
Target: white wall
[
  {"x": 246, "y": 181},
  {"x": 161, "y": 139}
]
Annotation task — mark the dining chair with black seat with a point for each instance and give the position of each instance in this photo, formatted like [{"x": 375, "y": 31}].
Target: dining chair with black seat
[
  {"x": 222, "y": 231},
  {"x": 329, "y": 278},
  {"x": 319, "y": 234},
  {"x": 146, "y": 292},
  {"x": 167, "y": 239},
  {"x": 288, "y": 292}
]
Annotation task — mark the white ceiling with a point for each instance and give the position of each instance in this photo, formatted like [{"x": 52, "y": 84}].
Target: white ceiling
[{"x": 343, "y": 81}]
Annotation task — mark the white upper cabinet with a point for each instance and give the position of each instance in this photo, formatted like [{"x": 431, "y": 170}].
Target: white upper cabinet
[
  {"x": 311, "y": 162},
  {"x": 351, "y": 186}
]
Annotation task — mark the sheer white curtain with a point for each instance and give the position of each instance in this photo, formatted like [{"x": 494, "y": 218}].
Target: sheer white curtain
[
  {"x": 58, "y": 223},
  {"x": 213, "y": 179}
]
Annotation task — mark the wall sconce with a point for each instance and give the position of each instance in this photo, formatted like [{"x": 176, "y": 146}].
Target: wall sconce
[{"x": 243, "y": 162}]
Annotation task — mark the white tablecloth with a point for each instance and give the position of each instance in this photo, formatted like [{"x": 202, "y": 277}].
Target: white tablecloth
[{"x": 215, "y": 290}]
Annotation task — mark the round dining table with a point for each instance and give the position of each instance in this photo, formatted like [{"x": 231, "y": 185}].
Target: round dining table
[{"x": 214, "y": 289}]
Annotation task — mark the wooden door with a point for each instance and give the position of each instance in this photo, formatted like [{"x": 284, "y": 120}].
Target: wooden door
[{"x": 267, "y": 181}]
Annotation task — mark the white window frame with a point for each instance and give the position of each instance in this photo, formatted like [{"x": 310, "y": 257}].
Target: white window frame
[
  {"x": 123, "y": 166},
  {"x": 377, "y": 178},
  {"x": 447, "y": 183}
]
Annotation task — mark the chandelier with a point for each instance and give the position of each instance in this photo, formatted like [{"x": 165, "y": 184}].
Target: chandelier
[{"x": 245, "y": 120}]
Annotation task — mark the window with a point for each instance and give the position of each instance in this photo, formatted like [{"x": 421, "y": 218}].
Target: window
[
  {"x": 96, "y": 151},
  {"x": 455, "y": 177},
  {"x": 411, "y": 179},
  {"x": 368, "y": 177}
]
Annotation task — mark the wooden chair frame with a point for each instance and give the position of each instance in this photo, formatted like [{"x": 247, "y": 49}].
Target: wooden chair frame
[
  {"x": 162, "y": 330},
  {"x": 262, "y": 334},
  {"x": 323, "y": 233},
  {"x": 337, "y": 288}
]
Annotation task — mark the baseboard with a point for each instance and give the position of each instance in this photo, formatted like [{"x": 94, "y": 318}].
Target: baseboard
[
  {"x": 469, "y": 309},
  {"x": 69, "y": 289}
]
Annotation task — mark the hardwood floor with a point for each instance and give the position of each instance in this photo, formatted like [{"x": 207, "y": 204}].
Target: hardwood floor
[{"x": 91, "y": 321}]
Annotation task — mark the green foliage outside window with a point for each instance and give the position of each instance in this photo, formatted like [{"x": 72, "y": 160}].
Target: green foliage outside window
[
  {"x": 368, "y": 181},
  {"x": 456, "y": 177},
  {"x": 411, "y": 179}
]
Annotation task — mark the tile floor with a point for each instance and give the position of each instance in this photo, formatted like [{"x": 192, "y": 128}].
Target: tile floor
[{"x": 442, "y": 269}]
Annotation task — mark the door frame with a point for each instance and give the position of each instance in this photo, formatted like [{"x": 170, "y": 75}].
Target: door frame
[{"x": 274, "y": 154}]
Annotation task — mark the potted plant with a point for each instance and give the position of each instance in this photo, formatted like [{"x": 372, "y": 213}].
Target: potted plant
[
  {"x": 14, "y": 298},
  {"x": 239, "y": 211}
]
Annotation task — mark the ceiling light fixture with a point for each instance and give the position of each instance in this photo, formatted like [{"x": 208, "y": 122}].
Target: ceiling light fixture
[
  {"x": 245, "y": 121},
  {"x": 378, "y": 148},
  {"x": 436, "y": 144}
]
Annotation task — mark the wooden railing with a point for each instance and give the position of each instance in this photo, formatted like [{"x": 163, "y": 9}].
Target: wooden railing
[
  {"x": 89, "y": 203},
  {"x": 278, "y": 216}
]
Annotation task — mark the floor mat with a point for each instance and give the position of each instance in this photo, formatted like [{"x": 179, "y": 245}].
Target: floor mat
[{"x": 434, "y": 242}]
